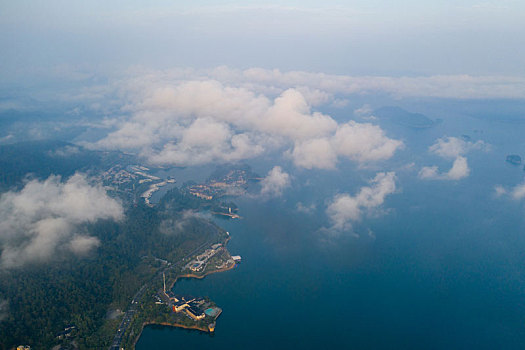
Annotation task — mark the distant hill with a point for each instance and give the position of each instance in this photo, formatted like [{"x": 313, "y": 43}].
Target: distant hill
[{"x": 400, "y": 116}]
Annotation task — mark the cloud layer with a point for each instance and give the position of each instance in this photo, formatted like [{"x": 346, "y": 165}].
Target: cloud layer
[
  {"x": 42, "y": 219},
  {"x": 189, "y": 122},
  {"x": 346, "y": 209}
]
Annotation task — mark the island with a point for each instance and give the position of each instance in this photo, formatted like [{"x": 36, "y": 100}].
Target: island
[
  {"x": 514, "y": 159},
  {"x": 405, "y": 118}
]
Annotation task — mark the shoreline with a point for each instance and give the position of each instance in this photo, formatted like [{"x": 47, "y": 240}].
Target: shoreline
[
  {"x": 174, "y": 325},
  {"x": 167, "y": 324},
  {"x": 178, "y": 325},
  {"x": 191, "y": 275},
  {"x": 199, "y": 277}
]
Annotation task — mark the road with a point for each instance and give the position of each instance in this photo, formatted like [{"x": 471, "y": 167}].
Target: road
[{"x": 128, "y": 316}]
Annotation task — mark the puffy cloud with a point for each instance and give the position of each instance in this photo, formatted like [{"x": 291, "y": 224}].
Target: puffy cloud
[
  {"x": 66, "y": 151},
  {"x": 451, "y": 148},
  {"x": 356, "y": 141},
  {"x": 290, "y": 116},
  {"x": 187, "y": 122},
  {"x": 42, "y": 219},
  {"x": 346, "y": 209},
  {"x": 458, "y": 171},
  {"x": 205, "y": 141},
  {"x": 364, "y": 142},
  {"x": 81, "y": 245},
  {"x": 365, "y": 112},
  {"x": 429, "y": 172},
  {"x": 315, "y": 153},
  {"x": 275, "y": 182},
  {"x": 307, "y": 209},
  {"x": 517, "y": 192},
  {"x": 176, "y": 226}
]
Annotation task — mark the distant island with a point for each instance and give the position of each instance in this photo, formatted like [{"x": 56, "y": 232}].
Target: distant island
[
  {"x": 402, "y": 117},
  {"x": 514, "y": 159}
]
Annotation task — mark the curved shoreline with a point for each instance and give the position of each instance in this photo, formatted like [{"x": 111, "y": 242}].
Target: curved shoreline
[
  {"x": 178, "y": 325},
  {"x": 167, "y": 324},
  {"x": 174, "y": 325},
  {"x": 191, "y": 275}
]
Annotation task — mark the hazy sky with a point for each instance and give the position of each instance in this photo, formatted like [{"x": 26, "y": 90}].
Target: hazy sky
[{"x": 373, "y": 37}]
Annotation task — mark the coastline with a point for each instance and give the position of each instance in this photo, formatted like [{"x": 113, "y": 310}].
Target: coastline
[
  {"x": 178, "y": 325},
  {"x": 175, "y": 325},
  {"x": 167, "y": 324},
  {"x": 191, "y": 275}
]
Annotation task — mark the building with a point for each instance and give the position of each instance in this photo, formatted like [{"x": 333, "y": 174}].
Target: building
[
  {"x": 191, "y": 307},
  {"x": 195, "y": 312},
  {"x": 179, "y": 306}
]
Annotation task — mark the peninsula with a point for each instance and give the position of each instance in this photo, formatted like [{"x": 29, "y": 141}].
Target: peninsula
[{"x": 164, "y": 307}]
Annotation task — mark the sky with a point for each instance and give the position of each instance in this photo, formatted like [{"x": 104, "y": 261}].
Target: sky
[{"x": 358, "y": 38}]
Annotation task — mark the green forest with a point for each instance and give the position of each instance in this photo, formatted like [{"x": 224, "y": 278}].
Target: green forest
[{"x": 43, "y": 299}]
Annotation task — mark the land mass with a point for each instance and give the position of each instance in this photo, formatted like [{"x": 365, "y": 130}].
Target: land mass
[
  {"x": 165, "y": 307},
  {"x": 74, "y": 302}
]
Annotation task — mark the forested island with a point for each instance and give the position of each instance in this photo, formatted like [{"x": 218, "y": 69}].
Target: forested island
[{"x": 80, "y": 302}]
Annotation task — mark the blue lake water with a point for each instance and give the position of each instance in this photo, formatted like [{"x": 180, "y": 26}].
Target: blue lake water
[{"x": 444, "y": 267}]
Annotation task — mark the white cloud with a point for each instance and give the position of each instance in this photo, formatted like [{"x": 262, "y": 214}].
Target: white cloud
[
  {"x": 174, "y": 121},
  {"x": 346, "y": 209},
  {"x": 500, "y": 190},
  {"x": 363, "y": 111},
  {"x": 42, "y": 219},
  {"x": 275, "y": 182},
  {"x": 306, "y": 209},
  {"x": 176, "y": 226},
  {"x": 360, "y": 142},
  {"x": 458, "y": 171},
  {"x": 451, "y": 148},
  {"x": 66, "y": 151},
  {"x": 364, "y": 142},
  {"x": 315, "y": 153},
  {"x": 81, "y": 245},
  {"x": 516, "y": 193}
]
